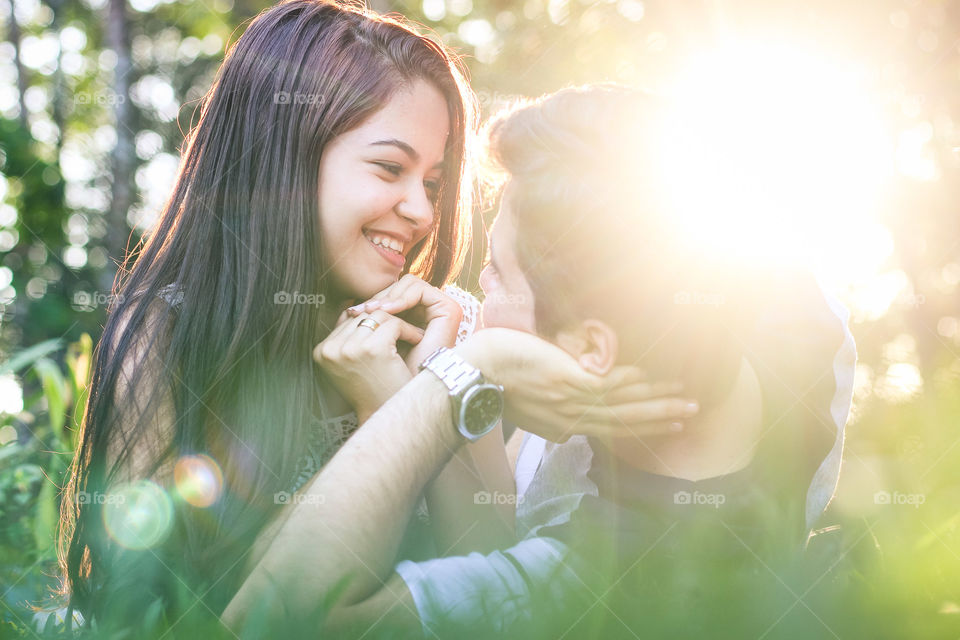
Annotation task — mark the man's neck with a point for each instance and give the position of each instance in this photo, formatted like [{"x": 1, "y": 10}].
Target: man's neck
[{"x": 720, "y": 440}]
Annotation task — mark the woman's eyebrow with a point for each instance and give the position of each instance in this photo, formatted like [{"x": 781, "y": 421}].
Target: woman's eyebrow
[
  {"x": 405, "y": 147},
  {"x": 399, "y": 144}
]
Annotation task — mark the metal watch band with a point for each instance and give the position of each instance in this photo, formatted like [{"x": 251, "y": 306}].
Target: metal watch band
[
  {"x": 476, "y": 406},
  {"x": 455, "y": 372}
]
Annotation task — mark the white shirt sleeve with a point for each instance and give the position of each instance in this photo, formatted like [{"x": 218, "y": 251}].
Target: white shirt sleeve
[
  {"x": 824, "y": 483},
  {"x": 493, "y": 593}
]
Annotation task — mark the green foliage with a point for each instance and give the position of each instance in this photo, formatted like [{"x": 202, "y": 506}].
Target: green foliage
[
  {"x": 889, "y": 570},
  {"x": 33, "y": 467}
]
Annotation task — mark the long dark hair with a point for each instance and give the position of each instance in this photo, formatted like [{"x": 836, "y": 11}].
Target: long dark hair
[{"x": 241, "y": 226}]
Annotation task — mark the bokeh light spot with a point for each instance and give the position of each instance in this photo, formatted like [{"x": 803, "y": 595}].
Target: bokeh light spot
[
  {"x": 198, "y": 479},
  {"x": 138, "y": 515}
]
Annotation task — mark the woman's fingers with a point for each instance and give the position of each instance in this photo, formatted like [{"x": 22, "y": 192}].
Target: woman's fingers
[
  {"x": 406, "y": 299},
  {"x": 398, "y": 290},
  {"x": 372, "y": 304},
  {"x": 349, "y": 337},
  {"x": 408, "y": 288},
  {"x": 394, "y": 329},
  {"x": 329, "y": 348},
  {"x": 408, "y": 293},
  {"x": 388, "y": 328}
]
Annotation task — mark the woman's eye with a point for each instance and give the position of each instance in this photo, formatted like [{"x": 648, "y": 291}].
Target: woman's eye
[
  {"x": 393, "y": 169},
  {"x": 433, "y": 189}
]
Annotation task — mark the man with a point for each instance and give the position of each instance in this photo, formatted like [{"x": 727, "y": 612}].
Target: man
[{"x": 583, "y": 256}]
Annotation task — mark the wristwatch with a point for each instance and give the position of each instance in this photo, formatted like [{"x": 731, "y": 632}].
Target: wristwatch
[{"x": 477, "y": 405}]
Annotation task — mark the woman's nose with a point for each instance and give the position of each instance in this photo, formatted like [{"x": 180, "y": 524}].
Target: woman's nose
[{"x": 417, "y": 208}]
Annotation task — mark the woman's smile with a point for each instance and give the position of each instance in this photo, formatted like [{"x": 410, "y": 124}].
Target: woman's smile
[
  {"x": 393, "y": 209},
  {"x": 391, "y": 247}
]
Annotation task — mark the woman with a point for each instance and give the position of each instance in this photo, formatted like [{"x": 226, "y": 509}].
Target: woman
[{"x": 327, "y": 161}]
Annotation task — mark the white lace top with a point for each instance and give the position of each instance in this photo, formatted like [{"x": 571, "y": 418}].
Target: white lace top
[{"x": 327, "y": 435}]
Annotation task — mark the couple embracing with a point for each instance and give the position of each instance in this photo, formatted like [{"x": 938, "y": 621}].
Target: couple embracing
[{"x": 401, "y": 460}]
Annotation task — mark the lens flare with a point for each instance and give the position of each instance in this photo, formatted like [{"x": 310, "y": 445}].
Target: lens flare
[
  {"x": 139, "y": 515},
  {"x": 776, "y": 152},
  {"x": 198, "y": 479}
]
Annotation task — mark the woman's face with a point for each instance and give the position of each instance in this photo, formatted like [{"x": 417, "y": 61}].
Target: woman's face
[
  {"x": 378, "y": 186},
  {"x": 508, "y": 300}
]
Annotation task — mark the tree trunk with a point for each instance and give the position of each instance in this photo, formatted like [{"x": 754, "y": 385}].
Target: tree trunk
[
  {"x": 13, "y": 35},
  {"x": 59, "y": 83},
  {"x": 123, "y": 159}
]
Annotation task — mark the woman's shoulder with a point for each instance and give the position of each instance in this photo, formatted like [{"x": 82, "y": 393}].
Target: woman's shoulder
[
  {"x": 135, "y": 348},
  {"x": 471, "y": 311}
]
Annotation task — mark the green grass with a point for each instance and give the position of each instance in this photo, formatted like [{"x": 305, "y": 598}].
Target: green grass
[{"x": 876, "y": 570}]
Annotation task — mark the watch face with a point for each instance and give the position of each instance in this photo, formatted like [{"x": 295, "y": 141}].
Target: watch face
[{"x": 481, "y": 409}]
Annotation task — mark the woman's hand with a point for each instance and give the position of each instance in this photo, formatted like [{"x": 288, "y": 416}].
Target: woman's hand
[
  {"x": 548, "y": 393},
  {"x": 423, "y": 305},
  {"x": 360, "y": 358}
]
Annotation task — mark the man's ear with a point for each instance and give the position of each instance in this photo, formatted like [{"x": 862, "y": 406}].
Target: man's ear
[{"x": 593, "y": 343}]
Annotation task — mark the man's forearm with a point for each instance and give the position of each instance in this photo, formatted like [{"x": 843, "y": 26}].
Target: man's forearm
[{"x": 356, "y": 509}]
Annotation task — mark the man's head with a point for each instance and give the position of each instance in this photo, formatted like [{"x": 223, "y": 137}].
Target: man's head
[{"x": 585, "y": 252}]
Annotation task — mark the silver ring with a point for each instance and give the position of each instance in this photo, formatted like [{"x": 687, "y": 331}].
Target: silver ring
[{"x": 369, "y": 323}]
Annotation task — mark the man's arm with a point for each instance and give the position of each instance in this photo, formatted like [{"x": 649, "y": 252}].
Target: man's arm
[
  {"x": 346, "y": 531},
  {"x": 356, "y": 508},
  {"x": 532, "y": 585},
  {"x": 390, "y": 612}
]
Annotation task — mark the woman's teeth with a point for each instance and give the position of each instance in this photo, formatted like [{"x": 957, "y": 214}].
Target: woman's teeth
[{"x": 386, "y": 242}]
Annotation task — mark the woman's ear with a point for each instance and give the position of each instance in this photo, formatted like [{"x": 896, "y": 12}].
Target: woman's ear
[{"x": 593, "y": 343}]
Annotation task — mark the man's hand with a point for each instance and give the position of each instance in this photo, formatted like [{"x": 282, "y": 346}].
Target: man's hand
[{"x": 548, "y": 393}]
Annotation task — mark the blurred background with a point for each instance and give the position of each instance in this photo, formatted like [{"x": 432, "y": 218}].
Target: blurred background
[{"x": 830, "y": 128}]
